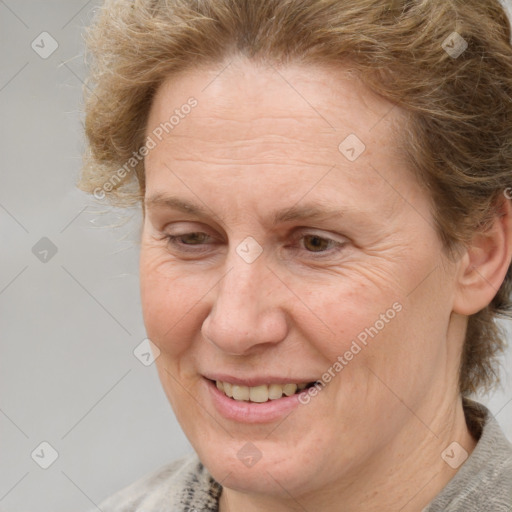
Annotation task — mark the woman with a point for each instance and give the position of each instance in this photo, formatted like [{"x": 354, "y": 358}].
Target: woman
[{"x": 326, "y": 244}]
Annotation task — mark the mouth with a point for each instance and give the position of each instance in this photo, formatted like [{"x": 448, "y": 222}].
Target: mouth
[{"x": 262, "y": 393}]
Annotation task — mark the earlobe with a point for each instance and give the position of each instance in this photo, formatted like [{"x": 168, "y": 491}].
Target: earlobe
[{"x": 485, "y": 263}]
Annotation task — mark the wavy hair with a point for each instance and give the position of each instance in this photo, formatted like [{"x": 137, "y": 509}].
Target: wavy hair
[{"x": 457, "y": 136}]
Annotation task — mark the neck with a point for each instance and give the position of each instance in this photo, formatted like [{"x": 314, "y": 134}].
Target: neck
[{"x": 406, "y": 475}]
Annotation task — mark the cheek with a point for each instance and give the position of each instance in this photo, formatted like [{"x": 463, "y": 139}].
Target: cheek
[
  {"x": 380, "y": 320},
  {"x": 171, "y": 301},
  {"x": 350, "y": 309}
]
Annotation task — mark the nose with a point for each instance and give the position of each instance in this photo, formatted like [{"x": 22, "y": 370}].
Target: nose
[{"x": 246, "y": 312}]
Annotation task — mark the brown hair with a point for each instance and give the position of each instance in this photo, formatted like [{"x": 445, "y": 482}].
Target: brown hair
[{"x": 458, "y": 135}]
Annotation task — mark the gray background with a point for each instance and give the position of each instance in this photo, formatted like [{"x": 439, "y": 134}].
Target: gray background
[{"x": 69, "y": 325}]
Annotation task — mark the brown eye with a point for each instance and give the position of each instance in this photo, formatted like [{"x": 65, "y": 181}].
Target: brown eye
[
  {"x": 196, "y": 241},
  {"x": 314, "y": 243},
  {"x": 193, "y": 238}
]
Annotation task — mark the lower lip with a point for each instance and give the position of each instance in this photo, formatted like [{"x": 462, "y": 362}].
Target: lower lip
[{"x": 251, "y": 412}]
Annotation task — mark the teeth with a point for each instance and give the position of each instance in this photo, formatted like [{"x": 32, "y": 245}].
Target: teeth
[
  {"x": 289, "y": 389},
  {"x": 275, "y": 391},
  {"x": 228, "y": 389},
  {"x": 259, "y": 394},
  {"x": 240, "y": 392}
]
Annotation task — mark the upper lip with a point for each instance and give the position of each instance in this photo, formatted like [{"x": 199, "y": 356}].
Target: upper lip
[{"x": 257, "y": 380}]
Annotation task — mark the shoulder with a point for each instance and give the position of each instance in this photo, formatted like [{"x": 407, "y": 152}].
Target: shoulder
[
  {"x": 484, "y": 481},
  {"x": 182, "y": 486}
]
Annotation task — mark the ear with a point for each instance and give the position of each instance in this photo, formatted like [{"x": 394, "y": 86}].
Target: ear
[{"x": 485, "y": 263}]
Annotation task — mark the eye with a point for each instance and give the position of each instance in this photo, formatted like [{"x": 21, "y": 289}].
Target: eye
[
  {"x": 185, "y": 240},
  {"x": 310, "y": 242},
  {"x": 194, "y": 238},
  {"x": 321, "y": 245},
  {"x": 315, "y": 243}
]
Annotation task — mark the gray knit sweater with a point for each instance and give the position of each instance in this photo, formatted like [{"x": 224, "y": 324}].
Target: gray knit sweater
[{"x": 482, "y": 484}]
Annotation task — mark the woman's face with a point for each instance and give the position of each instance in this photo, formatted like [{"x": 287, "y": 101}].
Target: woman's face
[{"x": 304, "y": 251}]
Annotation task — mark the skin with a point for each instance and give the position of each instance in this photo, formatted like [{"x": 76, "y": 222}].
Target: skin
[{"x": 263, "y": 139}]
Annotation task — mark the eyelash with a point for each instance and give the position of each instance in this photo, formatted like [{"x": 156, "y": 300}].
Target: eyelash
[{"x": 172, "y": 240}]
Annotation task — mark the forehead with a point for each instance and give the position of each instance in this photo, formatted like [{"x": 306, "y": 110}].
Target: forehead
[
  {"x": 329, "y": 100},
  {"x": 274, "y": 130}
]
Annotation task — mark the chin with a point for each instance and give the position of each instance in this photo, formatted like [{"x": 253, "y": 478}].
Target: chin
[
  {"x": 265, "y": 478},
  {"x": 272, "y": 472}
]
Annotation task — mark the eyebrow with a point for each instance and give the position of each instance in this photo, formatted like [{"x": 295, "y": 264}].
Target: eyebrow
[{"x": 309, "y": 211}]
